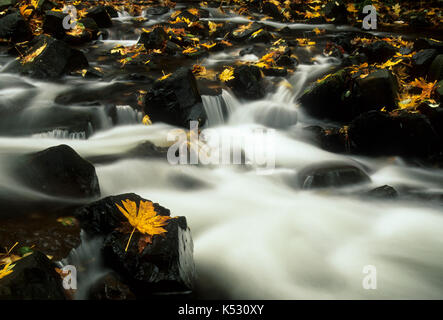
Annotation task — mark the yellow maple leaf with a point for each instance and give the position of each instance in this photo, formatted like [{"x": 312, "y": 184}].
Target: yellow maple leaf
[
  {"x": 30, "y": 57},
  {"x": 7, "y": 269},
  {"x": 351, "y": 8},
  {"x": 147, "y": 120},
  {"x": 227, "y": 74},
  {"x": 145, "y": 219}
]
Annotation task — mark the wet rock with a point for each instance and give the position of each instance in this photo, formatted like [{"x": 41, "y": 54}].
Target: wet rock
[
  {"x": 424, "y": 43},
  {"x": 175, "y": 100},
  {"x": 164, "y": 266},
  {"x": 240, "y": 34},
  {"x": 436, "y": 69},
  {"x": 15, "y": 28},
  {"x": 286, "y": 61},
  {"x": 337, "y": 12},
  {"x": 378, "y": 51},
  {"x": 439, "y": 91},
  {"x": 247, "y": 82},
  {"x": 419, "y": 20},
  {"x": 260, "y": 36},
  {"x": 272, "y": 10},
  {"x": 405, "y": 134},
  {"x": 111, "y": 11},
  {"x": 157, "y": 11},
  {"x": 377, "y": 90},
  {"x": 154, "y": 39},
  {"x": 59, "y": 171},
  {"x": 331, "y": 174},
  {"x": 55, "y": 60},
  {"x": 5, "y": 4},
  {"x": 110, "y": 287},
  {"x": 33, "y": 278},
  {"x": 421, "y": 61},
  {"x": 328, "y": 98},
  {"x": 383, "y": 192},
  {"x": 53, "y": 24},
  {"x": 101, "y": 16},
  {"x": 340, "y": 98}
]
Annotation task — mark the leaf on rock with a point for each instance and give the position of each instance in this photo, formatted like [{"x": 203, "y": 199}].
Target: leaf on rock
[
  {"x": 144, "y": 218},
  {"x": 227, "y": 74}
]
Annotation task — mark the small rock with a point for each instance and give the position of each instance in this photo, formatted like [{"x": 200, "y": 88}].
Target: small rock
[
  {"x": 55, "y": 60},
  {"x": 337, "y": 12},
  {"x": 383, "y": 192},
  {"x": 110, "y": 287},
  {"x": 379, "y": 51},
  {"x": 59, "y": 171},
  {"x": 175, "y": 100},
  {"x": 33, "y": 278},
  {"x": 421, "y": 61},
  {"x": 101, "y": 16},
  {"x": 247, "y": 82},
  {"x": 154, "y": 39},
  {"x": 15, "y": 28},
  {"x": 436, "y": 69},
  {"x": 331, "y": 174}
]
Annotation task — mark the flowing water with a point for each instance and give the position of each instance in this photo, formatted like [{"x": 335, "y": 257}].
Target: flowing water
[{"x": 254, "y": 235}]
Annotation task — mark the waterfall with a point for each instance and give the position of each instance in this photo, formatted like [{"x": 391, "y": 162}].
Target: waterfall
[
  {"x": 127, "y": 115},
  {"x": 219, "y": 108},
  {"x": 87, "y": 260},
  {"x": 61, "y": 134}
]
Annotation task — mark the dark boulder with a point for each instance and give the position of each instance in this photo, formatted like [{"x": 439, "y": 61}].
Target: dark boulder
[
  {"x": 421, "y": 61},
  {"x": 272, "y": 10},
  {"x": 424, "y": 43},
  {"x": 53, "y": 24},
  {"x": 13, "y": 27},
  {"x": 436, "y": 69},
  {"x": 378, "y": 52},
  {"x": 59, "y": 171},
  {"x": 328, "y": 98},
  {"x": 340, "y": 98},
  {"x": 336, "y": 12},
  {"x": 330, "y": 175},
  {"x": 405, "y": 134},
  {"x": 113, "y": 13},
  {"x": 5, "y": 4},
  {"x": 154, "y": 39},
  {"x": 164, "y": 266},
  {"x": 247, "y": 82},
  {"x": 377, "y": 90},
  {"x": 101, "y": 16},
  {"x": 175, "y": 100},
  {"x": 33, "y": 278},
  {"x": 241, "y": 34},
  {"x": 53, "y": 59},
  {"x": 439, "y": 91}
]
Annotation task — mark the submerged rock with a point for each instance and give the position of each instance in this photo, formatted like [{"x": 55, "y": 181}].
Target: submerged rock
[
  {"x": 15, "y": 28},
  {"x": 164, "y": 266},
  {"x": 383, "y": 192},
  {"x": 331, "y": 174},
  {"x": 110, "y": 287},
  {"x": 59, "y": 171},
  {"x": 53, "y": 58},
  {"x": 33, "y": 278},
  {"x": 175, "y": 100}
]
